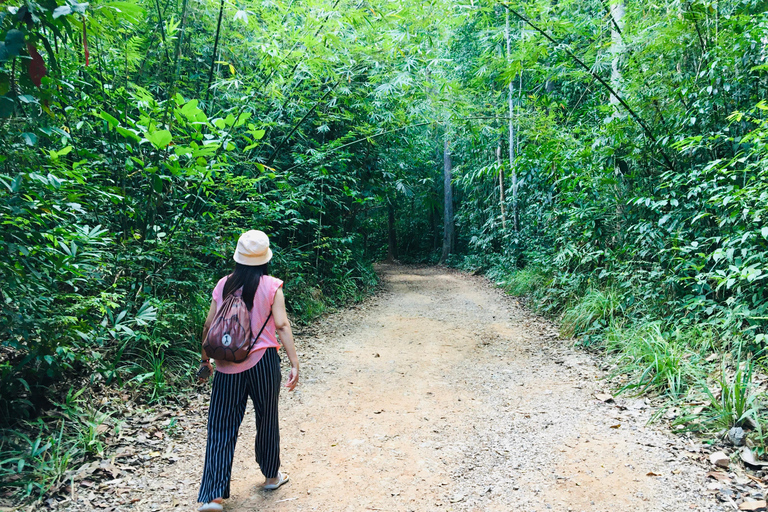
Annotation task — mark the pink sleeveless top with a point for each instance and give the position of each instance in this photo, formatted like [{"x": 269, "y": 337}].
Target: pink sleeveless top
[{"x": 262, "y": 305}]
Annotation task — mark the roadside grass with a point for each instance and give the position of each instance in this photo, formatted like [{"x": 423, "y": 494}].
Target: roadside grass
[
  {"x": 700, "y": 376},
  {"x": 733, "y": 402},
  {"x": 652, "y": 362},
  {"x": 591, "y": 313},
  {"x": 39, "y": 456},
  {"x": 525, "y": 283},
  {"x": 32, "y": 465}
]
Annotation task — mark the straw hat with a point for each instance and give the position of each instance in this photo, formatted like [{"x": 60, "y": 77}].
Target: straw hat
[{"x": 253, "y": 248}]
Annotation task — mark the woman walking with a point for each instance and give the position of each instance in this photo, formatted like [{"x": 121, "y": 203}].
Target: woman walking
[{"x": 257, "y": 377}]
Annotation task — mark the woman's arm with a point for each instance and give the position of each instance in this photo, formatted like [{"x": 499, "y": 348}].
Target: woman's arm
[
  {"x": 283, "y": 329},
  {"x": 204, "y": 361}
]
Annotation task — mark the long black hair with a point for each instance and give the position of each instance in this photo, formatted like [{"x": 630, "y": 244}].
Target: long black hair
[{"x": 246, "y": 277}]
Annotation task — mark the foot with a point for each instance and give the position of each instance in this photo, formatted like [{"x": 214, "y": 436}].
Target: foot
[
  {"x": 212, "y": 506},
  {"x": 273, "y": 483}
]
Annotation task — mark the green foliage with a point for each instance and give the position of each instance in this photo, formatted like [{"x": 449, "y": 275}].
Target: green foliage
[
  {"x": 140, "y": 141},
  {"x": 734, "y": 400},
  {"x": 525, "y": 282},
  {"x": 653, "y": 361},
  {"x": 34, "y": 466},
  {"x": 593, "y": 312},
  {"x": 729, "y": 398},
  {"x": 39, "y": 460}
]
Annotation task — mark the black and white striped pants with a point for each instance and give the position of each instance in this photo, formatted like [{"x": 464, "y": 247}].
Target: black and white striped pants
[{"x": 229, "y": 398}]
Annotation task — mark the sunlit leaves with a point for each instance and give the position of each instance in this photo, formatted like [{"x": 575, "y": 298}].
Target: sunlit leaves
[{"x": 159, "y": 138}]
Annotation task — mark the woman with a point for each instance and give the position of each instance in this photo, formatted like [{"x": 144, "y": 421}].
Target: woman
[{"x": 258, "y": 376}]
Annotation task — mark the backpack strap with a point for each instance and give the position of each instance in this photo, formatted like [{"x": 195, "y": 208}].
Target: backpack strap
[{"x": 256, "y": 338}]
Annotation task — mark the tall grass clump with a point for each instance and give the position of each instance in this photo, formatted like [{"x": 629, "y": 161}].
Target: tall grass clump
[
  {"x": 593, "y": 312},
  {"x": 525, "y": 282},
  {"x": 733, "y": 402},
  {"x": 653, "y": 362}
]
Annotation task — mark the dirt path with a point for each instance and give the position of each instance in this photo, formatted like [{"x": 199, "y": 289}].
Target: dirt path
[{"x": 443, "y": 394}]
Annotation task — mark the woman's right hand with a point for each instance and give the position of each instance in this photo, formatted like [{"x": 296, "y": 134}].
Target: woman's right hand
[{"x": 205, "y": 371}]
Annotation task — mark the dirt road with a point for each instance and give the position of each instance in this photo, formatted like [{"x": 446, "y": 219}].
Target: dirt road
[{"x": 442, "y": 393}]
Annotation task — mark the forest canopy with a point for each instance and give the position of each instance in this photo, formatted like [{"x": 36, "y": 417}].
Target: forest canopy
[{"x": 607, "y": 158}]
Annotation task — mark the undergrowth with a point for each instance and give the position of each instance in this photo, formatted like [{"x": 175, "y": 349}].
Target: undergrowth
[
  {"x": 524, "y": 282},
  {"x": 40, "y": 454},
  {"x": 590, "y": 313},
  {"x": 652, "y": 361},
  {"x": 699, "y": 371}
]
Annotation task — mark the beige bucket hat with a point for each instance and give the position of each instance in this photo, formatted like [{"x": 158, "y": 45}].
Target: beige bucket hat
[{"x": 253, "y": 248}]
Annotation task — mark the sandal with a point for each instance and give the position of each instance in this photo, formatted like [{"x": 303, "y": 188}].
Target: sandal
[
  {"x": 211, "y": 506},
  {"x": 281, "y": 479}
]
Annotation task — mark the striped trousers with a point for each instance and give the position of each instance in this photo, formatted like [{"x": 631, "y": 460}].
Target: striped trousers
[{"x": 229, "y": 398}]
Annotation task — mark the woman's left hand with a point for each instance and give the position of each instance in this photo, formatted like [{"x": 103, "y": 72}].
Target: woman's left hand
[{"x": 293, "y": 378}]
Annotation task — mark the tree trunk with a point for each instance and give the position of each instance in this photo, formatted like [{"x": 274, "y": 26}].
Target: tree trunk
[
  {"x": 501, "y": 187},
  {"x": 448, "y": 229},
  {"x": 392, "y": 234},
  {"x": 510, "y": 97},
  {"x": 549, "y": 87},
  {"x": 617, "y": 11},
  {"x": 215, "y": 52},
  {"x": 365, "y": 234}
]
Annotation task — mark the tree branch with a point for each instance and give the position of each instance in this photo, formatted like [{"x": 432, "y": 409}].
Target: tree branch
[
  {"x": 597, "y": 77},
  {"x": 357, "y": 141},
  {"x": 610, "y": 15},
  {"x": 296, "y": 127}
]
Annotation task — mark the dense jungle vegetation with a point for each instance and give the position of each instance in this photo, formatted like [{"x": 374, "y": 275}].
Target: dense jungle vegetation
[{"x": 606, "y": 158}]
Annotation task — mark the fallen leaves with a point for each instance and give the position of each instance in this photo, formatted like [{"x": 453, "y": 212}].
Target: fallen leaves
[
  {"x": 749, "y": 458},
  {"x": 90, "y": 468},
  {"x": 719, "y": 476}
]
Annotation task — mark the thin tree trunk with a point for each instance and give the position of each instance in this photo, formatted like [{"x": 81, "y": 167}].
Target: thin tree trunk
[
  {"x": 549, "y": 87},
  {"x": 617, "y": 11},
  {"x": 448, "y": 228},
  {"x": 510, "y": 97},
  {"x": 517, "y": 108},
  {"x": 640, "y": 121},
  {"x": 392, "y": 233},
  {"x": 215, "y": 51},
  {"x": 177, "y": 57},
  {"x": 501, "y": 187}
]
